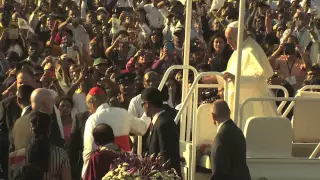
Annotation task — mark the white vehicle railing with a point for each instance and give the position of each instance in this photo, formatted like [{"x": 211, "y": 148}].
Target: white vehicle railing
[
  {"x": 304, "y": 88},
  {"x": 286, "y": 95},
  {"x": 184, "y": 124},
  {"x": 271, "y": 99},
  {"x": 309, "y": 87},
  {"x": 175, "y": 67},
  {"x": 317, "y": 149},
  {"x": 193, "y": 90},
  {"x": 161, "y": 85}
]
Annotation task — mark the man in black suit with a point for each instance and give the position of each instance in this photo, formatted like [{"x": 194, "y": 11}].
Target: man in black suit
[
  {"x": 228, "y": 155},
  {"x": 75, "y": 146},
  {"x": 23, "y": 100},
  {"x": 163, "y": 137}
]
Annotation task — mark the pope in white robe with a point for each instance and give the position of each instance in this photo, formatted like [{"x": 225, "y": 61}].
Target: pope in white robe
[{"x": 255, "y": 70}]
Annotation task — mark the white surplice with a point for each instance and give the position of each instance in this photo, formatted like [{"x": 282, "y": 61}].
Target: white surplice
[{"x": 255, "y": 70}]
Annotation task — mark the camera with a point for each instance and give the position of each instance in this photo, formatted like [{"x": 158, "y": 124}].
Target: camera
[{"x": 210, "y": 95}]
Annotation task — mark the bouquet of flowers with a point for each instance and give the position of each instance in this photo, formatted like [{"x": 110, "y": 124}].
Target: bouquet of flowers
[
  {"x": 130, "y": 167},
  {"x": 203, "y": 150}
]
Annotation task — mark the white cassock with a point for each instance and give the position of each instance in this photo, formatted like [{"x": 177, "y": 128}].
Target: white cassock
[{"x": 255, "y": 70}]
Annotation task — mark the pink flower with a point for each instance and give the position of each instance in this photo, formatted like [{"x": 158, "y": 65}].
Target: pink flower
[
  {"x": 203, "y": 147},
  {"x": 132, "y": 170}
]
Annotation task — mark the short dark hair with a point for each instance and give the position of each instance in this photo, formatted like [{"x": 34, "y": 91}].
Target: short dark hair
[
  {"x": 69, "y": 31},
  {"x": 103, "y": 134},
  {"x": 165, "y": 93},
  {"x": 34, "y": 43},
  {"x": 153, "y": 96},
  {"x": 65, "y": 98},
  {"x": 24, "y": 93}
]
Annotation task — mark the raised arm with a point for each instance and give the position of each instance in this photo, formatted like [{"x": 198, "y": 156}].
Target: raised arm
[
  {"x": 64, "y": 24},
  {"x": 139, "y": 126}
]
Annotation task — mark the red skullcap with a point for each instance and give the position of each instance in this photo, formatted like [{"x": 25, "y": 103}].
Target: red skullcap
[{"x": 96, "y": 91}]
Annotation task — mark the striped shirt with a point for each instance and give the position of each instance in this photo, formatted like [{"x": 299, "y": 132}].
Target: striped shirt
[{"x": 57, "y": 161}]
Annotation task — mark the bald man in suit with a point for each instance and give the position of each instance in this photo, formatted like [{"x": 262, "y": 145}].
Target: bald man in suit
[{"x": 228, "y": 155}]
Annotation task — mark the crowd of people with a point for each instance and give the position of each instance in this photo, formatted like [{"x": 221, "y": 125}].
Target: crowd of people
[{"x": 80, "y": 76}]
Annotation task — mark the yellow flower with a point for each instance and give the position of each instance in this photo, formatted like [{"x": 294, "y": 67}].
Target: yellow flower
[{"x": 125, "y": 164}]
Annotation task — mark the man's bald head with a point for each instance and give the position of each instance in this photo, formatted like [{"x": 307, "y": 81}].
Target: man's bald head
[
  {"x": 151, "y": 80},
  {"x": 42, "y": 100},
  {"x": 220, "y": 111}
]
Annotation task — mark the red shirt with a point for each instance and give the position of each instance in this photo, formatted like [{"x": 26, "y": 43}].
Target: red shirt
[{"x": 99, "y": 164}]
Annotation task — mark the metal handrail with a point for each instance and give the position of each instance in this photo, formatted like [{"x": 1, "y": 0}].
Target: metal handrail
[
  {"x": 194, "y": 84},
  {"x": 183, "y": 125},
  {"x": 271, "y": 99},
  {"x": 317, "y": 149},
  {"x": 315, "y": 152},
  {"x": 160, "y": 87},
  {"x": 175, "y": 67},
  {"x": 193, "y": 88},
  {"x": 304, "y": 88},
  {"x": 286, "y": 95}
]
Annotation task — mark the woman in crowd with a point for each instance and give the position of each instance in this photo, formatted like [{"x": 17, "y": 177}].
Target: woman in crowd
[
  {"x": 53, "y": 161},
  {"x": 221, "y": 53},
  {"x": 65, "y": 106}
]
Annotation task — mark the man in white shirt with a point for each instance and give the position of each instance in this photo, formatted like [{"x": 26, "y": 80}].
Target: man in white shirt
[
  {"x": 33, "y": 52},
  {"x": 119, "y": 119},
  {"x": 80, "y": 35},
  {"x": 154, "y": 16},
  {"x": 299, "y": 31},
  {"x": 150, "y": 80}
]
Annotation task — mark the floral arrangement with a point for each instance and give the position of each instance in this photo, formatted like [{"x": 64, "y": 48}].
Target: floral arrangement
[
  {"x": 203, "y": 150},
  {"x": 131, "y": 167}
]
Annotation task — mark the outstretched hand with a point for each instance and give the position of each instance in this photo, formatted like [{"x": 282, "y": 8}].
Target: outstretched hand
[{"x": 228, "y": 76}]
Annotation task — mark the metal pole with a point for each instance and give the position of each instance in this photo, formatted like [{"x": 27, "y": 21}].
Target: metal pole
[
  {"x": 186, "y": 54},
  {"x": 239, "y": 55}
]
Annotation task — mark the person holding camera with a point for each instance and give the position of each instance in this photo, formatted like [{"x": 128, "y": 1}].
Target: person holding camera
[
  {"x": 290, "y": 67},
  {"x": 299, "y": 30},
  {"x": 80, "y": 35},
  {"x": 121, "y": 50}
]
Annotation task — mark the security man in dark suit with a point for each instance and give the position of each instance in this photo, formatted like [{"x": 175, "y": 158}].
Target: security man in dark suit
[
  {"x": 23, "y": 101},
  {"x": 228, "y": 155},
  {"x": 163, "y": 137},
  {"x": 75, "y": 146}
]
